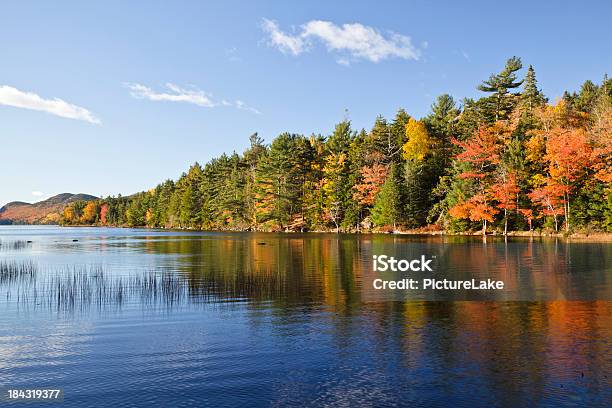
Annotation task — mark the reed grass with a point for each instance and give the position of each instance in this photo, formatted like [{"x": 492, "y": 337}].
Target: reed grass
[
  {"x": 17, "y": 271},
  {"x": 14, "y": 245},
  {"x": 82, "y": 287}
]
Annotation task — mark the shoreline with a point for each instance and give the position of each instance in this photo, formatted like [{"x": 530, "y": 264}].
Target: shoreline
[{"x": 579, "y": 236}]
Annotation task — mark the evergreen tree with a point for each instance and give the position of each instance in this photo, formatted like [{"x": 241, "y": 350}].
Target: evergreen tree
[
  {"x": 441, "y": 121},
  {"x": 190, "y": 199},
  {"x": 501, "y": 102},
  {"x": 532, "y": 97},
  {"x": 388, "y": 207},
  {"x": 256, "y": 150},
  {"x": 587, "y": 97},
  {"x": 383, "y": 147},
  {"x": 278, "y": 182},
  {"x": 398, "y": 131}
]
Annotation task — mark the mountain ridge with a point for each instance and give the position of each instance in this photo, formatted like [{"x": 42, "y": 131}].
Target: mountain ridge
[{"x": 42, "y": 212}]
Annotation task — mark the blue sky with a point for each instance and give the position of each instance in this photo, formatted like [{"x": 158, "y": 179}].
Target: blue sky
[{"x": 148, "y": 88}]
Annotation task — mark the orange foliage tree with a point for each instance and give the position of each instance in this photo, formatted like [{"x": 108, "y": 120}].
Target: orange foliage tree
[
  {"x": 482, "y": 154},
  {"x": 476, "y": 208},
  {"x": 549, "y": 197},
  {"x": 373, "y": 177},
  {"x": 90, "y": 212},
  {"x": 504, "y": 191},
  {"x": 568, "y": 154},
  {"x": 103, "y": 213}
]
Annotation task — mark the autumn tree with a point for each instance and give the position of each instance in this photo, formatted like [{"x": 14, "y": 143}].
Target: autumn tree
[
  {"x": 421, "y": 172},
  {"x": 481, "y": 153},
  {"x": 372, "y": 179},
  {"x": 548, "y": 196},
  {"x": 90, "y": 213},
  {"x": 504, "y": 192},
  {"x": 568, "y": 154}
]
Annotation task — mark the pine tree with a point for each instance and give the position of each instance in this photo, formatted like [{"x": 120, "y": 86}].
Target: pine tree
[
  {"x": 278, "y": 182},
  {"x": 383, "y": 147},
  {"x": 252, "y": 156},
  {"x": 501, "y": 102},
  {"x": 388, "y": 207},
  {"x": 532, "y": 97},
  {"x": 421, "y": 172},
  {"x": 587, "y": 97},
  {"x": 337, "y": 185},
  {"x": 190, "y": 201},
  {"x": 441, "y": 121},
  {"x": 398, "y": 131}
]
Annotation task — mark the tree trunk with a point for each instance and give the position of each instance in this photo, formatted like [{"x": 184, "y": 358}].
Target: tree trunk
[
  {"x": 484, "y": 227},
  {"x": 505, "y": 222},
  {"x": 517, "y": 211},
  {"x": 567, "y": 218}
]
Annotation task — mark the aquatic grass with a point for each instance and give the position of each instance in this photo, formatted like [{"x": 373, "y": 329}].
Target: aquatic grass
[
  {"x": 81, "y": 287},
  {"x": 17, "y": 271},
  {"x": 14, "y": 245}
]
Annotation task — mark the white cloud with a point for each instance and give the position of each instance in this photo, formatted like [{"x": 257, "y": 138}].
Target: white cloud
[
  {"x": 241, "y": 105},
  {"x": 38, "y": 193},
  {"x": 291, "y": 44},
  {"x": 355, "y": 40},
  {"x": 10, "y": 96},
  {"x": 176, "y": 93}
]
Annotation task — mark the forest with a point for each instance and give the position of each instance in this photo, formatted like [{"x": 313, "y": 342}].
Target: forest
[{"x": 511, "y": 160}]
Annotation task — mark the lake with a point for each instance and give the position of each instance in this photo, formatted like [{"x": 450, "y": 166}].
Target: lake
[{"x": 135, "y": 317}]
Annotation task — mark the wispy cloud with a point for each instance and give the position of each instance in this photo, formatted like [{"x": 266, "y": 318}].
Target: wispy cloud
[
  {"x": 463, "y": 54},
  {"x": 232, "y": 54},
  {"x": 243, "y": 106},
  {"x": 356, "y": 41},
  {"x": 10, "y": 96},
  {"x": 286, "y": 43},
  {"x": 38, "y": 193},
  {"x": 192, "y": 95},
  {"x": 176, "y": 94}
]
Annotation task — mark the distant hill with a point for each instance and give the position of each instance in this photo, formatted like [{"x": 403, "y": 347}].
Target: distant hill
[{"x": 42, "y": 212}]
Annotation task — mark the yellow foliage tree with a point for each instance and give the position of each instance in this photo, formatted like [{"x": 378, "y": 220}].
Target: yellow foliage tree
[
  {"x": 419, "y": 142},
  {"x": 68, "y": 214},
  {"x": 89, "y": 213}
]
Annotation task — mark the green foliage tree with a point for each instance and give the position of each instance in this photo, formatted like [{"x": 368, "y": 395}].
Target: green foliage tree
[
  {"x": 501, "y": 102},
  {"x": 532, "y": 97},
  {"x": 388, "y": 207}
]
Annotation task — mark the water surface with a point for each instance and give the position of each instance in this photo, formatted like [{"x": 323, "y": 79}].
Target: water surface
[{"x": 121, "y": 317}]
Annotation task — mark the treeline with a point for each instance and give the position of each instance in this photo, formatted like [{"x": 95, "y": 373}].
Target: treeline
[{"x": 510, "y": 160}]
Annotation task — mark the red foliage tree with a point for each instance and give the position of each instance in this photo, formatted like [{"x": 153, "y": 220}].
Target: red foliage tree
[
  {"x": 550, "y": 198},
  {"x": 103, "y": 212},
  {"x": 477, "y": 208},
  {"x": 372, "y": 180},
  {"x": 568, "y": 153},
  {"x": 505, "y": 193},
  {"x": 482, "y": 153}
]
